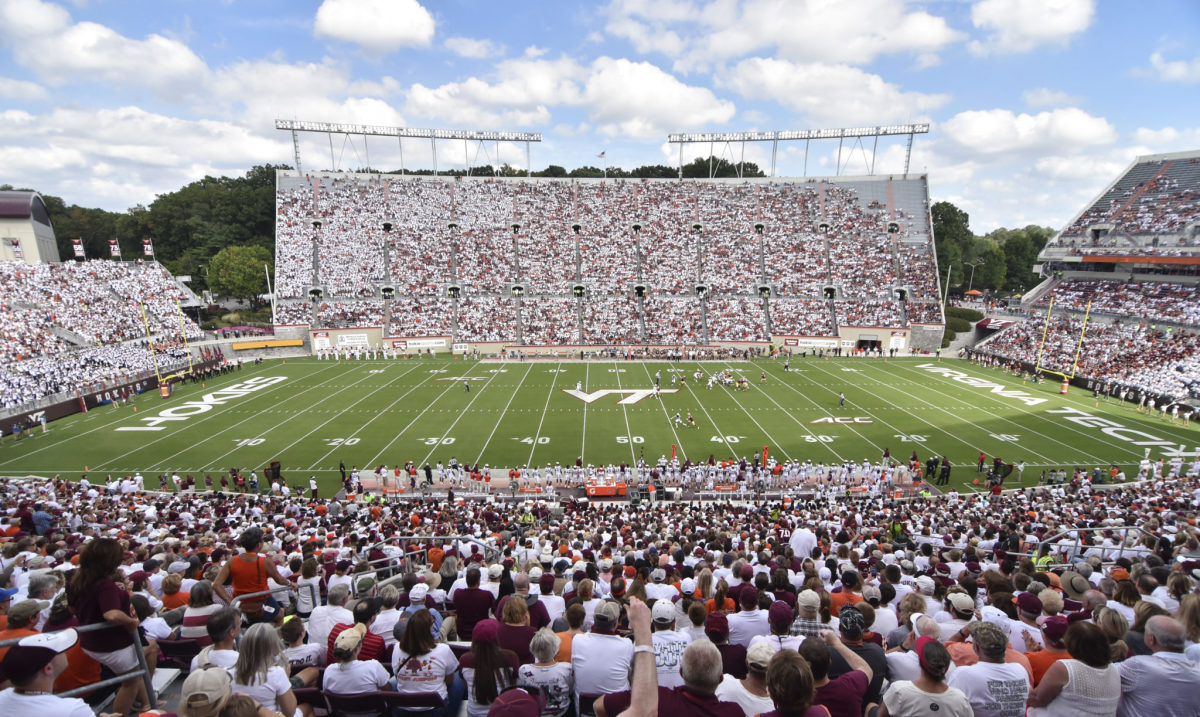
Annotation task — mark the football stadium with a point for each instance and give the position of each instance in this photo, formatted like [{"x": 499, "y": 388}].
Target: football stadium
[{"x": 464, "y": 439}]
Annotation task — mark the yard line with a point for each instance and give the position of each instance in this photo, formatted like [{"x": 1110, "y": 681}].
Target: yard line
[
  {"x": 215, "y": 414},
  {"x": 720, "y": 435},
  {"x": 1183, "y": 437},
  {"x": 546, "y": 407},
  {"x": 69, "y": 438},
  {"x": 912, "y": 414},
  {"x": 808, "y": 430},
  {"x": 1022, "y": 426},
  {"x": 460, "y": 415},
  {"x": 755, "y": 421},
  {"x": 664, "y": 408},
  {"x": 625, "y": 409},
  {"x": 216, "y": 461},
  {"x": 449, "y": 385},
  {"x": 510, "y": 400},
  {"x": 360, "y": 428},
  {"x": 583, "y": 441}
]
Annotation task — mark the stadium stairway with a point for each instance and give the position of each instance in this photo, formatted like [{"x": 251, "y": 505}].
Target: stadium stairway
[{"x": 1035, "y": 294}]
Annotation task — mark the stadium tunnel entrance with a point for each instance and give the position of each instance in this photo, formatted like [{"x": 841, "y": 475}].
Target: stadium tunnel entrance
[{"x": 868, "y": 342}]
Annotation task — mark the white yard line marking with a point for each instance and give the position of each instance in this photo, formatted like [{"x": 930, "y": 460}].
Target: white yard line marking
[
  {"x": 625, "y": 409},
  {"x": 752, "y": 419},
  {"x": 449, "y": 385},
  {"x": 459, "y": 418},
  {"x": 502, "y": 414},
  {"x": 545, "y": 408},
  {"x": 665, "y": 413},
  {"x": 800, "y": 423}
]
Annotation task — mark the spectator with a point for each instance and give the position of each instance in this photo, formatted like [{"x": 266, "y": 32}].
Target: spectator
[
  {"x": 487, "y": 669},
  {"x": 1164, "y": 681},
  {"x": 993, "y": 687},
  {"x": 421, "y": 664},
  {"x": 552, "y": 678},
  {"x": 257, "y": 673},
  {"x": 1087, "y": 681},
  {"x": 348, "y": 673},
  {"x": 929, "y": 692}
]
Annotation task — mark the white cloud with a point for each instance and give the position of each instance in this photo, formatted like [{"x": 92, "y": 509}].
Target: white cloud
[
  {"x": 699, "y": 35},
  {"x": 1175, "y": 70},
  {"x": 637, "y": 99},
  {"x": 1168, "y": 139},
  {"x": 20, "y": 90},
  {"x": 622, "y": 97},
  {"x": 44, "y": 40},
  {"x": 1046, "y": 97},
  {"x": 377, "y": 26},
  {"x": 1079, "y": 167},
  {"x": 829, "y": 95},
  {"x": 1022, "y": 25},
  {"x": 1001, "y": 132},
  {"x": 472, "y": 48}
]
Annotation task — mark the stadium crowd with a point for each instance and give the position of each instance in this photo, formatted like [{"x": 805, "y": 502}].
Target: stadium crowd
[
  {"x": 73, "y": 324},
  {"x": 1145, "y": 301},
  {"x": 1156, "y": 198},
  {"x": 814, "y": 234},
  {"x": 975, "y": 604},
  {"x": 1139, "y": 358}
]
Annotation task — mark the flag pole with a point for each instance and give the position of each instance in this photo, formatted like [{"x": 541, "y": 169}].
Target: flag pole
[{"x": 183, "y": 333}]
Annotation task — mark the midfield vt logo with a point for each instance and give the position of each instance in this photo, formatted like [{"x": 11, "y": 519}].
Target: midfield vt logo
[{"x": 634, "y": 396}]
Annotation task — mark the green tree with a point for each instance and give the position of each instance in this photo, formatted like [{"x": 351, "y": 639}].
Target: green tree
[
  {"x": 699, "y": 168},
  {"x": 952, "y": 239},
  {"x": 990, "y": 274},
  {"x": 238, "y": 271}
]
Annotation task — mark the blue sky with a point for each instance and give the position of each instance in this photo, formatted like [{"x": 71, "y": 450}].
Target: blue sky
[{"x": 1035, "y": 104}]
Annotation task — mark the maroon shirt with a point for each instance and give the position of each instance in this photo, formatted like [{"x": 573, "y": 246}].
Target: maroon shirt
[
  {"x": 471, "y": 605},
  {"x": 843, "y": 695},
  {"x": 733, "y": 660},
  {"x": 538, "y": 616},
  {"x": 679, "y": 701},
  {"x": 90, "y": 609},
  {"x": 517, "y": 638}
]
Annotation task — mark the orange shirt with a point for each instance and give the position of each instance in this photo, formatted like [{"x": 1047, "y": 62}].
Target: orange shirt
[
  {"x": 729, "y": 606},
  {"x": 13, "y": 634},
  {"x": 81, "y": 670},
  {"x": 249, "y": 576},
  {"x": 564, "y": 647},
  {"x": 842, "y": 599},
  {"x": 1041, "y": 660},
  {"x": 177, "y": 599}
]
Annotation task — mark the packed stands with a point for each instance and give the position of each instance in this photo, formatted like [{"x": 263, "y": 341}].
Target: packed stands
[
  {"x": 61, "y": 325},
  {"x": 1149, "y": 301},
  {"x": 487, "y": 236},
  {"x": 1157, "y": 196},
  {"x": 559, "y": 603}
]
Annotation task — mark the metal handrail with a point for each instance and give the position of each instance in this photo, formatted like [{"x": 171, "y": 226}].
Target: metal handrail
[
  {"x": 142, "y": 669},
  {"x": 487, "y": 549},
  {"x": 262, "y": 593}
]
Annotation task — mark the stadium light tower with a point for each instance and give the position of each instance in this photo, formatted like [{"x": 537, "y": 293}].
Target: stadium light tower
[
  {"x": 973, "y": 265},
  {"x": 855, "y": 134}
]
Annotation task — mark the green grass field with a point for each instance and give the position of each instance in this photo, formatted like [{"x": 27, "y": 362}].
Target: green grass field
[{"x": 372, "y": 412}]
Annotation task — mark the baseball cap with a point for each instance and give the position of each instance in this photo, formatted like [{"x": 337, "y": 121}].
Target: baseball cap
[
  {"x": 759, "y": 656},
  {"x": 658, "y": 575},
  {"x": 487, "y": 630},
  {"x": 205, "y": 692},
  {"x": 1028, "y": 602},
  {"x": 515, "y": 702},
  {"x": 961, "y": 602},
  {"x": 808, "y": 600},
  {"x": 851, "y": 622},
  {"x": 25, "y": 659},
  {"x": 151, "y": 565},
  {"x": 7, "y": 593},
  {"x": 535, "y": 574},
  {"x": 663, "y": 612},
  {"x": 608, "y": 612},
  {"x": 417, "y": 595},
  {"x": 349, "y": 638},
  {"x": 989, "y": 637},
  {"x": 716, "y": 624},
  {"x": 919, "y": 648},
  {"x": 747, "y": 572},
  {"x": 26, "y": 609},
  {"x": 494, "y": 571},
  {"x": 780, "y": 613},
  {"x": 925, "y": 584},
  {"x": 688, "y": 586},
  {"x": 1054, "y": 627}
]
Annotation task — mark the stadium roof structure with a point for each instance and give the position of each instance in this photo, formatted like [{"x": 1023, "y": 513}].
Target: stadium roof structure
[
  {"x": 402, "y": 133},
  {"x": 857, "y": 134},
  {"x": 24, "y": 205}
]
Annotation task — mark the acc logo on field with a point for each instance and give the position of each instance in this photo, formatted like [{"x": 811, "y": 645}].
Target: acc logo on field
[{"x": 842, "y": 419}]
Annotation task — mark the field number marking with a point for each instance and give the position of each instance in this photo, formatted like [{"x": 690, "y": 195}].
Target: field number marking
[
  {"x": 341, "y": 441},
  {"x": 725, "y": 439},
  {"x": 435, "y": 440},
  {"x": 911, "y": 437},
  {"x": 528, "y": 440},
  {"x": 630, "y": 439},
  {"x": 818, "y": 439},
  {"x": 249, "y": 441},
  {"x": 1010, "y": 437},
  {"x": 375, "y": 370}
]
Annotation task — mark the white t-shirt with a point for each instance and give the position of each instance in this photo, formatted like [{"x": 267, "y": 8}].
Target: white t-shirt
[
  {"x": 13, "y": 704},
  {"x": 306, "y": 654},
  {"x": 994, "y": 690},
  {"x": 385, "y": 623},
  {"x": 267, "y": 692},
  {"x": 307, "y": 597},
  {"x": 601, "y": 663},
  {"x": 907, "y": 666},
  {"x": 779, "y": 642},
  {"x": 354, "y": 677},
  {"x": 555, "y": 606},
  {"x": 668, "y": 656},
  {"x": 426, "y": 673},
  {"x": 905, "y": 698},
  {"x": 557, "y": 681},
  {"x": 731, "y": 690},
  {"x": 216, "y": 658},
  {"x": 744, "y": 625}
]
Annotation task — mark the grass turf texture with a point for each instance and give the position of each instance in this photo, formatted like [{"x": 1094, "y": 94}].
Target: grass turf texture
[{"x": 519, "y": 413}]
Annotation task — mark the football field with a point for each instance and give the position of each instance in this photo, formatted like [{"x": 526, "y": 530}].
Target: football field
[{"x": 310, "y": 414}]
